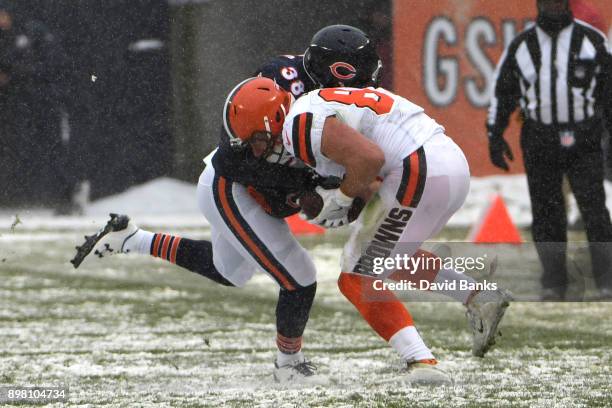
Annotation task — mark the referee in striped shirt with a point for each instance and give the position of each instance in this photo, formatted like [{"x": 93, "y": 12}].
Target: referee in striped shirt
[{"x": 559, "y": 71}]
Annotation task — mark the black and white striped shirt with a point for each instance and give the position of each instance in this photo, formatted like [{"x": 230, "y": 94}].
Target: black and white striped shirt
[{"x": 560, "y": 80}]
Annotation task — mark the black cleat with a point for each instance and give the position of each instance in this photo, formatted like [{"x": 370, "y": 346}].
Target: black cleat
[{"x": 116, "y": 223}]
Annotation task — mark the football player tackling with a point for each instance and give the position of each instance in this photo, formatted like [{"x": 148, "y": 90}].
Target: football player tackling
[
  {"x": 248, "y": 186},
  {"x": 360, "y": 134}
]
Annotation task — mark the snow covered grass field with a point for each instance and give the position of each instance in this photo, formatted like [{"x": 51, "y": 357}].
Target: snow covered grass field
[{"x": 135, "y": 331}]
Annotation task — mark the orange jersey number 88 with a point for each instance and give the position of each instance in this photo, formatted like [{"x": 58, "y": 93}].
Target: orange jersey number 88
[{"x": 377, "y": 101}]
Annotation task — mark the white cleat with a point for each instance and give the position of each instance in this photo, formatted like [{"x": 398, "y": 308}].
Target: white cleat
[
  {"x": 484, "y": 312},
  {"x": 296, "y": 372},
  {"x": 109, "y": 240},
  {"x": 426, "y": 372}
]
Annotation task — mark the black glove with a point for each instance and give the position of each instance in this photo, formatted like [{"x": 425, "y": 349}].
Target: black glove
[{"x": 498, "y": 148}]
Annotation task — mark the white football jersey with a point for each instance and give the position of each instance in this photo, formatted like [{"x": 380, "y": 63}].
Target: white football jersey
[{"x": 396, "y": 125}]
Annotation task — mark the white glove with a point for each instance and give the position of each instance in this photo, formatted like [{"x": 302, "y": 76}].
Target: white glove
[{"x": 336, "y": 206}]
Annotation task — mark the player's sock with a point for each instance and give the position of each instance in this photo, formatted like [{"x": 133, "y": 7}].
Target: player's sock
[
  {"x": 410, "y": 346},
  {"x": 386, "y": 315},
  {"x": 292, "y": 312},
  {"x": 430, "y": 270},
  {"x": 165, "y": 246},
  {"x": 196, "y": 256},
  {"x": 289, "y": 349},
  {"x": 380, "y": 308}
]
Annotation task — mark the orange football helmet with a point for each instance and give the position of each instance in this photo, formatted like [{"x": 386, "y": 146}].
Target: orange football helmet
[{"x": 255, "y": 107}]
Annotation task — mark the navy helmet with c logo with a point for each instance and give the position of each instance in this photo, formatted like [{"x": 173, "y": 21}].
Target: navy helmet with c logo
[{"x": 341, "y": 55}]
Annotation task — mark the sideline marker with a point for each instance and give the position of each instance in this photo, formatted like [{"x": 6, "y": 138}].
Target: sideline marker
[
  {"x": 495, "y": 225},
  {"x": 299, "y": 226}
]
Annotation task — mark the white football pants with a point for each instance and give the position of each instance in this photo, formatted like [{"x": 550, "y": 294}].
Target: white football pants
[
  {"x": 417, "y": 200},
  {"x": 245, "y": 238}
]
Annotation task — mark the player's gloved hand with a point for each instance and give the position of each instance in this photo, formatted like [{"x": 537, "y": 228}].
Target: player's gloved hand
[
  {"x": 336, "y": 206},
  {"x": 499, "y": 150}
]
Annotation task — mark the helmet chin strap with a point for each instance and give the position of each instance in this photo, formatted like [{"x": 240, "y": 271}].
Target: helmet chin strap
[{"x": 376, "y": 74}]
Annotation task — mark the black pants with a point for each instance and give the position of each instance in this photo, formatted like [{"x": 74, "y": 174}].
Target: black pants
[{"x": 546, "y": 162}]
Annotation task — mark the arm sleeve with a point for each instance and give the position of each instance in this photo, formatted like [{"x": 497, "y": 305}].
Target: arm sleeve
[
  {"x": 505, "y": 94},
  {"x": 261, "y": 174}
]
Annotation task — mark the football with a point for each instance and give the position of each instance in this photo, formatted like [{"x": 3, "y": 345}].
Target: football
[{"x": 312, "y": 203}]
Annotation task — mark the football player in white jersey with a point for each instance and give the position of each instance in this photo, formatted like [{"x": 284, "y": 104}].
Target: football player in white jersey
[{"x": 364, "y": 134}]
